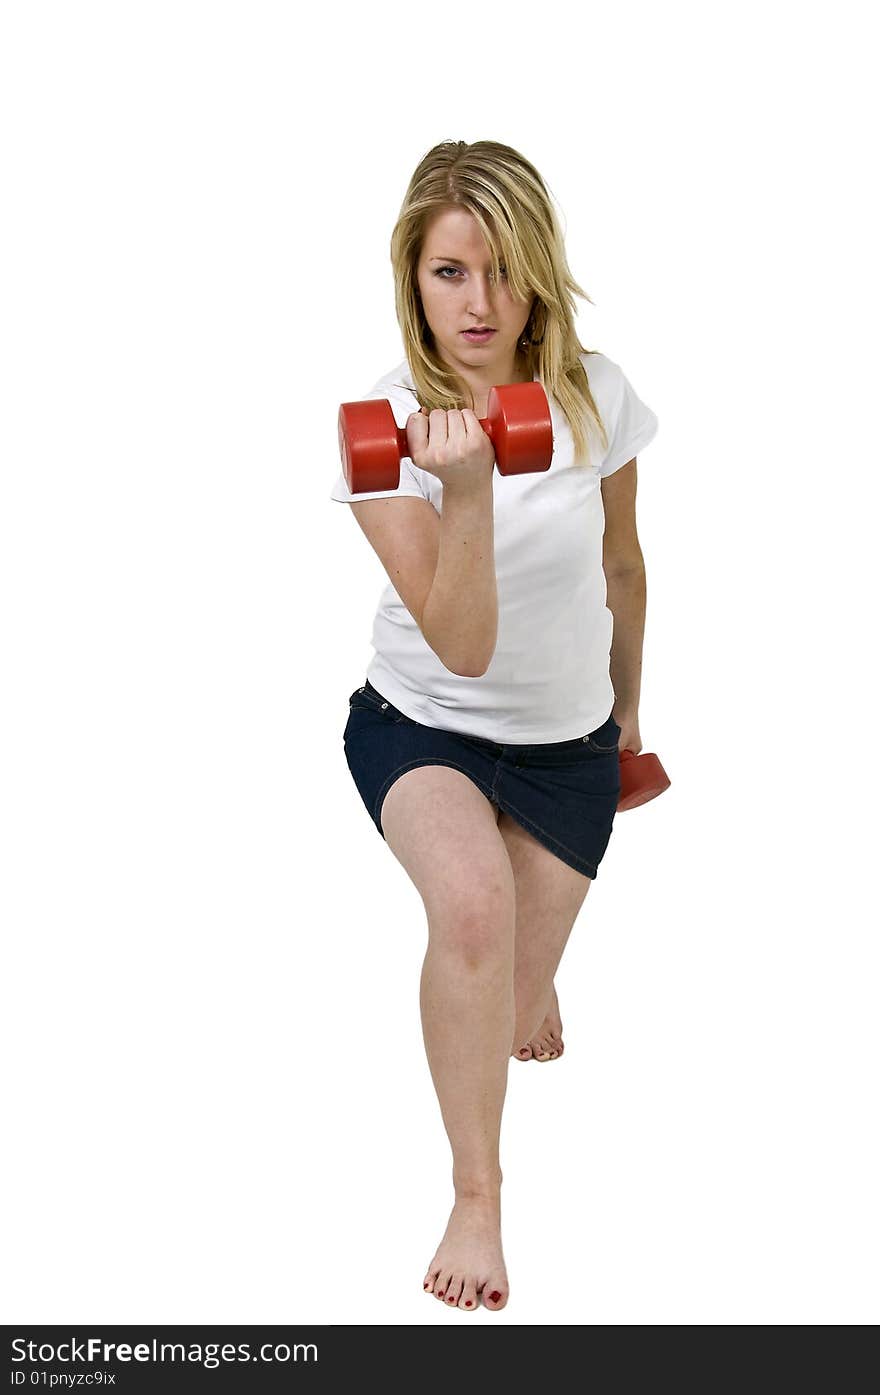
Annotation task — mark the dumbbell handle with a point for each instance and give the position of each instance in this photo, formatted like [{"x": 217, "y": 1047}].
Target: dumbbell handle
[{"x": 403, "y": 442}]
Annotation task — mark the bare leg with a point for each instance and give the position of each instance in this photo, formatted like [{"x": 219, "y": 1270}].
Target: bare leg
[
  {"x": 549, "y": 895},
  {"x": 445, "y": 834}
]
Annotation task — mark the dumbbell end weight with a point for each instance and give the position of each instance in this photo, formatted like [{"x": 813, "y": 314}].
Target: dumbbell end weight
[
  {"x": 369, "y": 445},
  {"x": 521, "y": 428},
  {"x": 641, "y": 778}
]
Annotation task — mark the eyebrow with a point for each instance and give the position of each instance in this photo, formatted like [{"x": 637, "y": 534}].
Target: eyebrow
[{"x": 448, "y": 259}]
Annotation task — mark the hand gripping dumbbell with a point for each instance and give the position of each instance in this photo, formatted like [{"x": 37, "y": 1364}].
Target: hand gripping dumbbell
[
  {"x": 641, "y": 778},
  {"x": 372, "y": 444}
]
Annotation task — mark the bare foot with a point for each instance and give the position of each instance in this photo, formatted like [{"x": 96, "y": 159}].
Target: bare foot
[
  {"x": 469, "y": 1262},
  {"x": 547, "y": 1043}
]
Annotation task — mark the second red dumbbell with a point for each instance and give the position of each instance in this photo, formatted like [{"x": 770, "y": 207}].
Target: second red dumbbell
[{"x": 641, "y": 778}]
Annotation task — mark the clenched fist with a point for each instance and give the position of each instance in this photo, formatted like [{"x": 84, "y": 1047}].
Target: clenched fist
[{"x": 451, "y": 445}]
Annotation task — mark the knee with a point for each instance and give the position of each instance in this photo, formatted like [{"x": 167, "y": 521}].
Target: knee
[{"x": 478, "y": 931}]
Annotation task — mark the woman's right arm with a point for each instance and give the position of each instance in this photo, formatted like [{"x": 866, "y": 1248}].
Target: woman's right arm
[{"x": 443, "y": 568}]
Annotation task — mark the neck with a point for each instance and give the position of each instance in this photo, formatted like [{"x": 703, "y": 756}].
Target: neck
[{"x": 480, "y": 384}]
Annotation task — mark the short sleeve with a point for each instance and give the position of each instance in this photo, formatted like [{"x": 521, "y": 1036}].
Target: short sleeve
[
  {"x": 410, "y": 483},
  {"x": 633, "y": 427}
]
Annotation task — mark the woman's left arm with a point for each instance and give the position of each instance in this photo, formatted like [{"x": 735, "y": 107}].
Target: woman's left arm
[{"x": 626, "y": 585}]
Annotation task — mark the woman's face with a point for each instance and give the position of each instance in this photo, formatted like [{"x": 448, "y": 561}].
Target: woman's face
[{"x": 454, "y": 279}]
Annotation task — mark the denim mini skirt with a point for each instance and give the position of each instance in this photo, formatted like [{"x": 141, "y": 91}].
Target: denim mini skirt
[{"x": 564, "y": 793}]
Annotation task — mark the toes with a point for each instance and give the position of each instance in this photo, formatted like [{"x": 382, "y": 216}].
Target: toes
[
  {"x": 452, "y": 1289},
  {"x": 494, "y": 1295},
  {"x": 524, "y": 1053},
  {"x": 453, "y": 1292},
  {"x": 554, "y": 1044},
  {"x": 468, "y": 1297},
  {"x": 547, "y": 1047}
]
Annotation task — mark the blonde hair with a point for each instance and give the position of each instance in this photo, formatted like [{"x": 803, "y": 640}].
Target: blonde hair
[{"x": 511, "y": 204}]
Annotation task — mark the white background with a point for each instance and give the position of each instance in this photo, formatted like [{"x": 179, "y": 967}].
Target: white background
[{"x": 217, "y": 1099}]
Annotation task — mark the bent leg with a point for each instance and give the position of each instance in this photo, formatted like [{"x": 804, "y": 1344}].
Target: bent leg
[{"x": 549, "y": 895}]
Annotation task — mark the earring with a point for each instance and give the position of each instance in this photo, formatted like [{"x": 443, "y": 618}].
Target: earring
[{"x": 526, "y": 340}]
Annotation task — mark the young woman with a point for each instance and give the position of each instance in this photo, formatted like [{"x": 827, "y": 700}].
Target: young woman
[{"x": 485, "y": 740}]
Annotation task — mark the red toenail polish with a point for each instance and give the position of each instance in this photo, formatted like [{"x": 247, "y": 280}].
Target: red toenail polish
[
  {"x": 441, "y": 1293},
  {"x": 450, "y": 1300},
  {"x": 467, "y": 1302},
  {"x": 495, "y": 1297},
  {"x": 424, "y": 1285}
]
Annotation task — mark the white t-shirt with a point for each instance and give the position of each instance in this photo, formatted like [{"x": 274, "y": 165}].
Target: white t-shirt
[{"x": 549, "y": 679}]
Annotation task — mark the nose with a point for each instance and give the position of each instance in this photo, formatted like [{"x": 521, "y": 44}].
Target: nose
[{"x": 481, "y": 297}]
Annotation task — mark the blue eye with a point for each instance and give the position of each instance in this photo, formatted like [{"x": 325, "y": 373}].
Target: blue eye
[{"x": 440, "y": 270}]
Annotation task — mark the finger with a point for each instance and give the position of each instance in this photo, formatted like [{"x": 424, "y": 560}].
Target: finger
[
  {"x": 455, "y": 427},
  {"x": 437, "y": 427},
  {"x": 416, "y": 434},
  {"x": 471, "y": 422}
]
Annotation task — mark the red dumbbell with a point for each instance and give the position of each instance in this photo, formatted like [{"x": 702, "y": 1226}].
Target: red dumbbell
[
  {"x": 372, "y": 444},
  {"x": 641, "y": 778}
]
